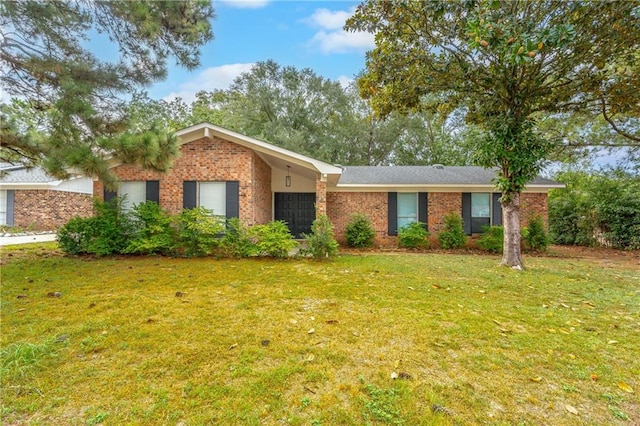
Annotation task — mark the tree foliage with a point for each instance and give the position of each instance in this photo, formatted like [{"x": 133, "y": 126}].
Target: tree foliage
[
  {"x": 596, "y": 208},
  {"x": 76, "y": 93},
  {"x": 506, "y": 64}
]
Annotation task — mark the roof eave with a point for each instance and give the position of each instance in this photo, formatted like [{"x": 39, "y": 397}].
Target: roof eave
[{"x": 208, "y": 130}]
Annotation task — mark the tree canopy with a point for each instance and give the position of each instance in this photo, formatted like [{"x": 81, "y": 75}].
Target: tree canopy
[
  {"x": 505, "y": 64},
  {"x": 76, "y": 96}
]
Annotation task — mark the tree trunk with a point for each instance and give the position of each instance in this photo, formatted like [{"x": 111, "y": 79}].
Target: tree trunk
[{"x": 511, "y": 253}]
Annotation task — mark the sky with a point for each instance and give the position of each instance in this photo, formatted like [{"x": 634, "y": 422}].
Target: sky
[{"x": 302, "y": 34}]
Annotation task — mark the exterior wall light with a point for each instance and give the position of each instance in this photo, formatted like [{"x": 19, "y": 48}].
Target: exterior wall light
[{"x": 287, "y": 179}]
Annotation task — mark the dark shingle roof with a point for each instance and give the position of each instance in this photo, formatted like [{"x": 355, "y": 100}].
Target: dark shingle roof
[{"x": 423, "y": 175}]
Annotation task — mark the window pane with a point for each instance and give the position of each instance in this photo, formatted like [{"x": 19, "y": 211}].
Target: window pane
[
  {"x": 481, "y": 205},
  {"x": 3, "y": 207},
  {"x": 213, "y": 196},
  {"x": 134, "y": 193},
  {"x": 407, "y": 208}
]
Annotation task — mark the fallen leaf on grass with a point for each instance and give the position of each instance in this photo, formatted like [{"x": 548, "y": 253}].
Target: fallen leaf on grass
[
  {"x": 232, "y": 346},
  {"x": 625, "y": 387},
  {"x": 612, "y": 342},
  {"x": 394, "y": 375},
  {"x": 311, "y": 331},
  {"x": 436, "y": 286},
  {"x": 536, "y": 379},
  {"x": 571, "y": 409},
  {"x": 564, "y": 305},
  {"x": 594, "y": 377}
]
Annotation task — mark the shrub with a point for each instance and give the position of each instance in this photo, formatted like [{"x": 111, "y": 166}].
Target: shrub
[
  {"x": 452, "y": 235},
  {"x": 74, "y": 235},
  {"x": 199, "y": 232},
  {"x": 151, "y": 230},
  {"x": 359, "y": 231},
  {"x": 535, "y": 235},
  {"x": 105, "y": 233},
  {"x": 273, "y": 239},
  {"x": 492, "y": 239},
  {"x": 236, "y": 241},
  {"x": 413, "y": 235},
  {"x": 321, "y": 243}
]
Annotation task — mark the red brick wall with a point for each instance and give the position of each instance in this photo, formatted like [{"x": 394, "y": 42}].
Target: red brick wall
[
  {"x": 210, "y": 160},
  {"x": 532, "y": 204},
  {"x": 441, "y": 204},
  {"x": 262, "y": 198},
  {"x": 45, "y": 210},
  {"x": 341, "y": 205},
  {"x": 321, "y": 197}
]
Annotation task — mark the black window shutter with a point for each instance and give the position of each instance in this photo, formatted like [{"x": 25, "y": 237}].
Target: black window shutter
[
  {"x": 466, "y": 212},
  {"x": 422, "y": 208},
  {"x": 496, "y": 219},
  {"x": 189, "y": 188},
  {"x": 153, "y": 191},
  {"x": 109, "y": 195},
  {"x": 392, "y": 219},
  {"x": 11, "y": 199},
  {"x": 233, "y": 199}
]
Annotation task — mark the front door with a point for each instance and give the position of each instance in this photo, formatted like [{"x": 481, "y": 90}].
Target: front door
[{"x": 297, "y": 209}]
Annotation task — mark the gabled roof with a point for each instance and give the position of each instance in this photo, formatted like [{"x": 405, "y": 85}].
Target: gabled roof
[
  {"x": 209, "y": 130},
  {"x": 428, "y": 176}
]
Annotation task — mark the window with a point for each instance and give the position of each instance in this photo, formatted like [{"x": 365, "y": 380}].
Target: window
[
  {"x": 3, "y": 207},
  {"x": 407, "y": 208},
  {"x": 134, "y": 193},
  {"x": 221, "y": 197},
  {"x": 480, "y": 211},
  {"x": 213, "y": 196}
]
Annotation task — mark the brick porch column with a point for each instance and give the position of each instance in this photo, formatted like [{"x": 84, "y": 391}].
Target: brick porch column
[{"x": 321, "y": 195}]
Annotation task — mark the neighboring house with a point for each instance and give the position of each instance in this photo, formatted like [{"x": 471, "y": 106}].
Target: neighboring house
[
  {"x": 239, "y": 176},
  {"x": 30, "y": 198}
]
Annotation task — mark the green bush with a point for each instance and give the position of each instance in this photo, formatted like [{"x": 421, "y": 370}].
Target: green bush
[
  {"x": 596, "y": 208},
  {"x": 73, "y": 237},
  {"x": 236, "y": 241},
  {"x": 492, "y": 239},
  {"x": 106, "y": 232},
  {"x": 413, "y": 235},
  {"x": 273, "y": 239},
  {"x": 359, "y": 231},
  {"x": 535, "y": 236},
  {"x": 321, "y": 243},
  {"x": 199, "y": 232},
  {"x": 151, "y": 230},
  {"x": 452, "y": 235}
]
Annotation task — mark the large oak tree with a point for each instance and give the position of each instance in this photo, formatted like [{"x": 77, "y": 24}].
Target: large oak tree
[
  {"x": 78, "y": 94},
  {"x": 505, "y": 64}
]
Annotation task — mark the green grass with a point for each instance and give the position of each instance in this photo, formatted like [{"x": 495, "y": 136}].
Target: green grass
[{"x": 315, "y": 343}]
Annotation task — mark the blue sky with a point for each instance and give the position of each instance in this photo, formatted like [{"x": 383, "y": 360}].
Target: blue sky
[{"x": 303, "y": 34}]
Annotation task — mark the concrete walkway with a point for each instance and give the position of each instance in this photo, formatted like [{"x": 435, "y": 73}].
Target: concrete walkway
[{"x": 26, "y": 239}]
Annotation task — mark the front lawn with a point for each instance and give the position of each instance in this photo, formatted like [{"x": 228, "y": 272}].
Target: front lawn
[{"x": 153, "y": 340}]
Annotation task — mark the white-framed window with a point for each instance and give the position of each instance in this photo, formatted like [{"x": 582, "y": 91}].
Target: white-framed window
[
  {"x": 407, "y": 208},
  {"x": 480, "y": 211},
  {"x": 133, "y": 193},
  {"x": 3, "y": 207},
  {"x": 213, "y": 196}
]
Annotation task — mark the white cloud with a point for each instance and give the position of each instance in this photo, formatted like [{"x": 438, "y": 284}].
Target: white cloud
[
  {"x": 345, "y": 81},
  {"x": 209, "y": 79},
  {"x": 331, "y": 38},
  {"x": 341, "y": 41},
  {"x": 324, "y": 18},
  {"x": 245, "y": 4}
]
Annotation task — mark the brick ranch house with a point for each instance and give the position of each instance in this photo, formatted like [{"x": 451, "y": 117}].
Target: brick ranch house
[
  {"x": 31, "y": 199},
  {"x": 239, "y": 176}
]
